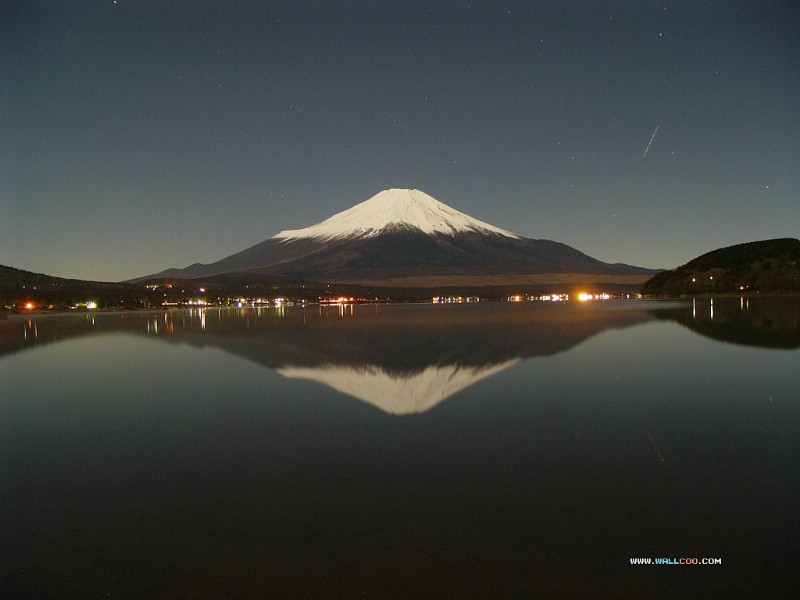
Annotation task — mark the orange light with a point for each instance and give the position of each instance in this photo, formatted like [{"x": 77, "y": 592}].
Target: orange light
[{"x": 29, "y": 305}]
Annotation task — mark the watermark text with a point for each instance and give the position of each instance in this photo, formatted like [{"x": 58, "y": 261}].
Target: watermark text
[{"x": 676, "y": 561}]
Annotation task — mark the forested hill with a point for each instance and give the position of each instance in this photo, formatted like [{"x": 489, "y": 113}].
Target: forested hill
[
  {"x": 769, "y": 266},
  {"x": 17, "y": 285},
  {"x": 14, "y": 278}
]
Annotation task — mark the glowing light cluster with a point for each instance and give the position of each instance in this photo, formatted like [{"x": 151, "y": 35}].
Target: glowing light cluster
[
  {"x": 454, "y": 299},
  {"x": 584, "y": 296},
  {"x": 340, "y": 300}
]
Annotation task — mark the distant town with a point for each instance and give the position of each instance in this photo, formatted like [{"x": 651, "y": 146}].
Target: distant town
[
  {"x": 40, "y": 293},
  {"x": 766, "y": 267},
  {"x": 167, "y": 296}
]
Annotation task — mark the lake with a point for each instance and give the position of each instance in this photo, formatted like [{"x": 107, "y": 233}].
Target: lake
[{"x": 403, "y": 451}]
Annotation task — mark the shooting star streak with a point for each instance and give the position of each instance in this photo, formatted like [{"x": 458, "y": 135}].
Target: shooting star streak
[
  {"x": 652, "y": 137},
  {"x": 652, "y": 441}
]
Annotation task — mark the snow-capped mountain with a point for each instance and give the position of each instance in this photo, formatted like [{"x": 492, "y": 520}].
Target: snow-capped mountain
[
  {"x": 391, "y": 209},
  {"x": 404, "y": 235}
]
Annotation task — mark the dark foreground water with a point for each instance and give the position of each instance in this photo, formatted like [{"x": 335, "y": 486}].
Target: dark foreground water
[{"x": 473, "y": 451}]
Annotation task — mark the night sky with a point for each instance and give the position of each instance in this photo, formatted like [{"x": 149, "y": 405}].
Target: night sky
[{"x": 137, "y": 136}]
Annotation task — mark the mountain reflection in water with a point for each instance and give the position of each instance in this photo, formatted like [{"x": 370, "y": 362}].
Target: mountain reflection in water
[
  {"x": 401, "y": 359},
  {"x": 176, "y": 454},
  {"x": 768, "y": 322},
  {"x": 407, "y": 359}
]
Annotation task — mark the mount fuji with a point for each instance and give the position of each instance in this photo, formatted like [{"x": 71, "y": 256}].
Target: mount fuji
[{"x": 406, "y": 237}]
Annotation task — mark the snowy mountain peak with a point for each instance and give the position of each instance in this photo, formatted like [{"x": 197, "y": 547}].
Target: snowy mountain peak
[{"x": 394, "y": 208}]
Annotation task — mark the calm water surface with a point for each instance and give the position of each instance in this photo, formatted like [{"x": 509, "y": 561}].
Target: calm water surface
[{"x": 488, "y": 450}]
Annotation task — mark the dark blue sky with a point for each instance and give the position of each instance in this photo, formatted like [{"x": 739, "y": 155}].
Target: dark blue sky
[{"x": 143, "y": 135}]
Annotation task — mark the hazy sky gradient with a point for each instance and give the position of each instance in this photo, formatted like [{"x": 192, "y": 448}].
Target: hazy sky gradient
[{"x": 138, "y": 136}]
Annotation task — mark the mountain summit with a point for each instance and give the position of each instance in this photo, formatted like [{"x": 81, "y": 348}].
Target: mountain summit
[
  {"x": 391, "y": 210},
  {"x": 407, "y": 238}
]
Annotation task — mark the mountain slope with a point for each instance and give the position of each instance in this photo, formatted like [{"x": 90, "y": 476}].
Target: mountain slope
[
  {"x": 764, "y": 266},
  {"x": 25, "y": 290},
  {"x": 17, "y": 285},
  {"x": 394, "y": 208},
  {"x": 403, "y": 234}
]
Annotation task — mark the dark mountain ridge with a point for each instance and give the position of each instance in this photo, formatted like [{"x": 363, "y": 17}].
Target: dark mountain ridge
[
  {"x": 404, "y": 252},
  {"x": 402, "y": 234},
  {"x": 762, "y": 266}
]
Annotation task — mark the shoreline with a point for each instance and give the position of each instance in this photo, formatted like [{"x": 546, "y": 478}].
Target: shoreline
[{"x": 21, "y": 314}]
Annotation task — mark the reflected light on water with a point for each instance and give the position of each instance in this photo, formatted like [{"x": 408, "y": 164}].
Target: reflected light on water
[
  {"x": 744, "y": 305},
  {"x": 34, "y": 330},
  {"x": 486, "y": 439}
]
